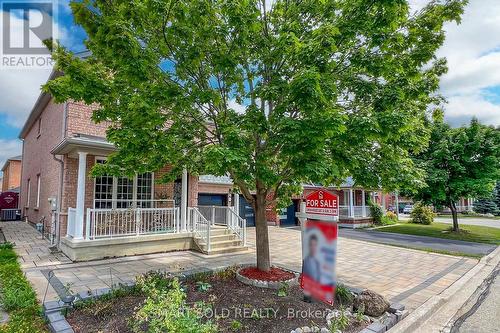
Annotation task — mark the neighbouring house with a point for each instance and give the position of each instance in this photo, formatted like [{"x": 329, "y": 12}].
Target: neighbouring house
[
  {"x": 90, "y": 218},
  {"x": 354, "y": 207},
  {"x": 11, "y": 170}
]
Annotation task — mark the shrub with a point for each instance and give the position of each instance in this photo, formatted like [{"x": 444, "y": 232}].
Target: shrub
[
  {"x": 343, "y": 295},
  {"x": 422, "y": 214},
  {"x": 18, "y": 297},
  {"x": 165, "y": 310},
  {"x": 392, "y": 216},
  {"x": 376, "y": 212}
]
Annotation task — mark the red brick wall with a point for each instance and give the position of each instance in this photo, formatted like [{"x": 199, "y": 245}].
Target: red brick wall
[
  {"x": 37, "y": 159},
  {"x": 11, "y": 176},
  {"x": 79, "y": 120}
]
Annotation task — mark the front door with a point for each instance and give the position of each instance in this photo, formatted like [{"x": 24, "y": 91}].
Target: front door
[{"x": 246, "y": 212}]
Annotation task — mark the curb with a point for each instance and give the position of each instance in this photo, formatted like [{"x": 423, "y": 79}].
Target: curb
[{"x": 437, "y": 311}]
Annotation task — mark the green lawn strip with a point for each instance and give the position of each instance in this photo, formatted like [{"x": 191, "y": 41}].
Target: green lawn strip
[
  {"x": 430, "y": 250},
  {"x": 469, "y": 233},
  {"x": 471, "y": 216},
  {"x": 17, "y": 296}
]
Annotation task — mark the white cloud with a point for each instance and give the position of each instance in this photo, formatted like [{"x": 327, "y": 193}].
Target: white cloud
[
  {"x": 462, "y": 108},
  {"x": 20, "y": 87},
  {"x": 9, "y": 148}
]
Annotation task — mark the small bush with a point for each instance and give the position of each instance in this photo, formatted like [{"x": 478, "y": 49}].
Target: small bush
[
  {"x": 376, "y": 213},
  {"x": 422, "y": 214},
  {"x": 343, "y": 295},
  {"x": 165, "y": 310},
  {"x": 391, "y": 216}
]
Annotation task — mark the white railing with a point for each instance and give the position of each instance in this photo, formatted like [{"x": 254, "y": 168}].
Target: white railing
[
  {"x": 237, "y": 225},
  {"x": 130, "y": 203},
  {"x": 111, "y": 223},
  {"x": 359, "y": 211},
  {"x": 215, "y": 214},
  {"x": 70, "y": 230},
  {"x": 201, "y": 226}
]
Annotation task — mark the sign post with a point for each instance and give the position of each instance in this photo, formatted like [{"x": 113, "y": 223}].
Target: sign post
[{"x": 318, "y": 218}]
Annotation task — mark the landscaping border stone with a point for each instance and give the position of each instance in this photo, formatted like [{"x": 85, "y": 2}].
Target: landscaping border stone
[
  {"x": 267, "y": 284},
  {"x": 58, "y": 324}
]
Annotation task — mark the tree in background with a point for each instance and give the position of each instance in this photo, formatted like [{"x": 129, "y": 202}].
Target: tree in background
[
  {"x": 459, "y": 162},
  {"x": 488, "y": 205},
  {"x": 304, "y": 91}
]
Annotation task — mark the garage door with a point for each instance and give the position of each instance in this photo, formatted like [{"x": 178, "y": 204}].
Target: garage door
[
  {"x": 246, "y": 212},
  {"x": 212, "y": 199}
]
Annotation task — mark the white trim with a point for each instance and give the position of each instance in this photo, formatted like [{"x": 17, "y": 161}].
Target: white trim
[
  {"x": 38, "y": 183},
  {"x": 28, "y": 201}
]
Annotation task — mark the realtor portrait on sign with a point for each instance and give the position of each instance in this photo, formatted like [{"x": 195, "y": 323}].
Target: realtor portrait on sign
[{"x": 318, "y": 265}]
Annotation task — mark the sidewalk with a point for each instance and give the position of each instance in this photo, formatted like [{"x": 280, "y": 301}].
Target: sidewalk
[{"x": 402, "y": 275}]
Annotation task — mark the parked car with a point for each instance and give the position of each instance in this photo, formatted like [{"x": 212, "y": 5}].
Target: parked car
[{"x": 408, "y": 209}]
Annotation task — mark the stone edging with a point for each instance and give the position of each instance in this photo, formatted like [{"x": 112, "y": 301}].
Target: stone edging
[
  {"x": 267, "y": 284},
  {"x": 58, "y": 324}
]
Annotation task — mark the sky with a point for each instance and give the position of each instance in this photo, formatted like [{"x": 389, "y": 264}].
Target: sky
[{"x": 471, "y": 86}]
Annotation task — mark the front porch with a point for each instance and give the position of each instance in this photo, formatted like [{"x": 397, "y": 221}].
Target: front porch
[{"x": 118, "y": 216}]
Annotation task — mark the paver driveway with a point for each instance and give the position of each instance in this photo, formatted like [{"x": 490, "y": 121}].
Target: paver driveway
[{"x": 406, "y": 276}]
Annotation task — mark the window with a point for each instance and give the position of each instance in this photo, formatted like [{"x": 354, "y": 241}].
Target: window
[
  {"x": 144, "y": 190},
  {"x": 38, "y": 183},
  {"x": 28, "y": 195},
  {"x": 122, "y": 192},
  {"x": 39, "y": 126}
]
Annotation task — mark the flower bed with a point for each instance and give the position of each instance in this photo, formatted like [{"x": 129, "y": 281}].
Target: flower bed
[{"x": 210, "y": 302}]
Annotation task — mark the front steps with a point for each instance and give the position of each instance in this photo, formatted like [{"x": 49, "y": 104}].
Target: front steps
[{"x": 222, "y": 241}]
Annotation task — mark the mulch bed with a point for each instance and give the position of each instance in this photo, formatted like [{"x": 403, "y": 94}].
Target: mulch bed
[
  {"x": 275, "y": 274},
  {"x": 255, "y": 309}
]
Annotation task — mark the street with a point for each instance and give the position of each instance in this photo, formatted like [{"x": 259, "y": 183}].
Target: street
[{"x": 484, "y": 314}]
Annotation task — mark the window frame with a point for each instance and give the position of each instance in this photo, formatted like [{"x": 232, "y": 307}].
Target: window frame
[
  {"x": 114, "y": 196},
  {"x": 28, "y": 196},
  {"x": 38, "y": 190}
]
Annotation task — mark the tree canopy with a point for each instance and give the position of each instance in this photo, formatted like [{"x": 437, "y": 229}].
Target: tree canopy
[
  {"x": 459, "y": 163},
  {"x": 274, "y": 95}
]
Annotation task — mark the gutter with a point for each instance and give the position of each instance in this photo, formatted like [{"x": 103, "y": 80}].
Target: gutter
[{"x": 61, "y": 178}]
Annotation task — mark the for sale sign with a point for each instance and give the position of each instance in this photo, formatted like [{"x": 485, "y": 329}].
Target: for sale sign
[
  {"x": 322, "y": 202},
  {"x": 319, "y": 249}
]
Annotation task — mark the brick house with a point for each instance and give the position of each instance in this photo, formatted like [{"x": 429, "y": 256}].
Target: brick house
[
  {"x": 11, "y": 180},
  {"x": 89, "y": 218}
]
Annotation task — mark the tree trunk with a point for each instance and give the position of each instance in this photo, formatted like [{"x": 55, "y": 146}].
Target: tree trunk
[
  {"x": 262, "y": 235},
  {"x": 454, "y": 215}
]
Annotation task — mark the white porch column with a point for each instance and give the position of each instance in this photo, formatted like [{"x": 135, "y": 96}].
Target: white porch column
[
  {"x": 383, "y": 201},
  {"x": 363, "y": 202},
  {"x": 184, "y": 199},
  {"x": 236, "y": 203},
  {"x": 351, "y": 203},
  {"x": 397, "y": 204},
  {"x": 80, "y": 195}
]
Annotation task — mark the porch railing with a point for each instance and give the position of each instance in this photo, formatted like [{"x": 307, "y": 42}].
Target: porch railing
[
  {"x": 71, "y": 222},
  {"x": 359, "y": 211},
  {"x": 215, "y": 214},
  {"x": 201, "y": 226},
  {"x": 238, "y": 225},
  {"x": 111, "y": 223},
  {"x": 130, "y": 203}
]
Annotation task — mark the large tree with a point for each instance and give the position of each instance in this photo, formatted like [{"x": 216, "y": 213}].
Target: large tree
[
  {"x": 272, "y": 94},
  {"x": 459, "y": 163}
]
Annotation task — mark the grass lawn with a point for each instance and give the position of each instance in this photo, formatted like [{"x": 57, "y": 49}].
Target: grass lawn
[
  {"x": 470, "y": 233},
  {"x": 17, "y": 296},
  {"x": 470, "y": 216}
]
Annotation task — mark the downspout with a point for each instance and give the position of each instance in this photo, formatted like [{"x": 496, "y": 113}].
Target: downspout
[{"x": 61, "y": 178}]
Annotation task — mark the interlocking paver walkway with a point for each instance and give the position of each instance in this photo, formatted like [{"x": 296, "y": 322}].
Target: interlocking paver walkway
[{"x": 403, "y": 275}]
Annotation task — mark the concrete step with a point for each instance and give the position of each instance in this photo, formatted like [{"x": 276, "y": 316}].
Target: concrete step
[
  {"x": 225, "y": 250},
  {"x": 221, "y": 244},
  {"x": 217, "y": 238}
]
